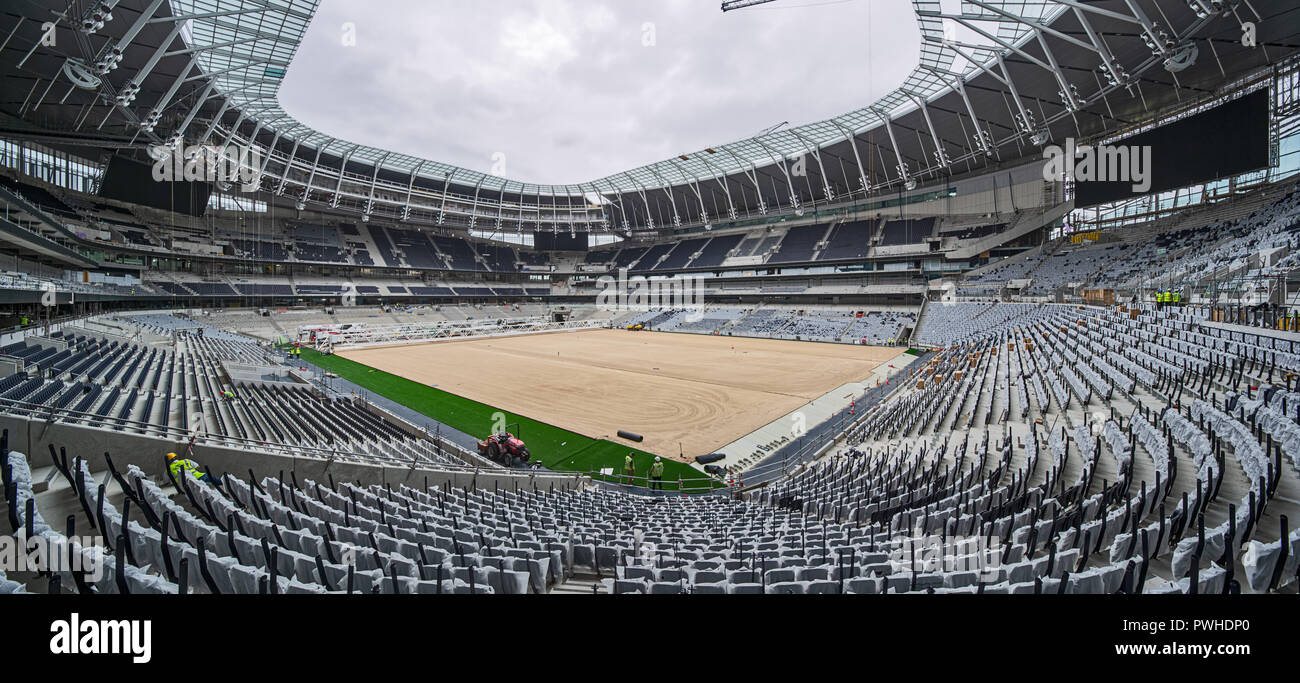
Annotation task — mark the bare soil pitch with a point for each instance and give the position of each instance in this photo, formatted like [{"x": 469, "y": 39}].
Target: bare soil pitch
[{"x": 671, "y": 388}]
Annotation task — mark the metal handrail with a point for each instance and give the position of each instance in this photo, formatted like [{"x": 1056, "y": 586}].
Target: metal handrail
[{"x": 644, "y": 482}]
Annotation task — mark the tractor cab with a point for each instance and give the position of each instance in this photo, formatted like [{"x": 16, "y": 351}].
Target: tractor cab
[{"x": 505, "y": 448}]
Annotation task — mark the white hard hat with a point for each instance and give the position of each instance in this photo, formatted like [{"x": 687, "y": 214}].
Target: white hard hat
[{"x": 656, "y": 458}]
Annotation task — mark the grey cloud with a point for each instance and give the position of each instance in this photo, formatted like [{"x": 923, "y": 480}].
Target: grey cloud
[{"x": 566, "y": 89}]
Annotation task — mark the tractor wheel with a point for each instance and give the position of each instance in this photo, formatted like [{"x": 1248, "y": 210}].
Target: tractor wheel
[
  {"x": 494, "y": 452},
  {"x": 524, "y": 455}
]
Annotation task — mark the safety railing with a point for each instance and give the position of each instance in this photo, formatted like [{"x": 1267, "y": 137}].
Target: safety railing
[{"x": 643, "y": 483}]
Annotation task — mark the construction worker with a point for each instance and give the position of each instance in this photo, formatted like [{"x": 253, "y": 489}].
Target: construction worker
[
  {"x": 181, "y": 466},
  {"x": 629, "y": 469},
  {"x": 1177, "y": 297},
  {"x": 227, "y": 395},
  {"x": 657, "y": 474}
]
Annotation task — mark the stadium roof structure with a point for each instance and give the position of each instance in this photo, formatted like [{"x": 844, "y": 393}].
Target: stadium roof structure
[{"x": 996, "y": 81}]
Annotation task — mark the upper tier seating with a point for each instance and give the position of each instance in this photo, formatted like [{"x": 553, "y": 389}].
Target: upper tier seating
[
  {"x": 848, "y": 240},
  {"x": 417, "y": 249},
  {"x": 799, "y": 244},
  {"x": 910, "y": 231},
  {"x": 500, "y": 259},
  {"x": 458, "y": 253},
  {"x": 259, "y": 250},
  {"x": 385, "y": 247},
  {"x": 715, "y": 252},
  {"x": 681, "y": 254},
  {"x": 652, "y": 256}
]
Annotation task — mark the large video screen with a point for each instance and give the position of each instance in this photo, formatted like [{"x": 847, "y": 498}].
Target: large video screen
[
  {"x": 1228, "y": 140},
  {"x": 131, "y": 181},
  {"x": 560, "y": 241}
]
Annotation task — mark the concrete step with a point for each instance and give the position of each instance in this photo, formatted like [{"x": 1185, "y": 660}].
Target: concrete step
[
  {"x": 42, "y": 477},
  {"x": 579, "y": 584}
]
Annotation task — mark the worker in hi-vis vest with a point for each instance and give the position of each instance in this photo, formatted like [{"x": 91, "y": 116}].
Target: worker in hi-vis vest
[
  {"x": 657, "y": 474},
  {"x": 629, "y": 468},
  {"x": 184, "y": 466}
]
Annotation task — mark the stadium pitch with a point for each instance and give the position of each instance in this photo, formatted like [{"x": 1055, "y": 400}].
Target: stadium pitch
[{"x": 687, "y": 394}]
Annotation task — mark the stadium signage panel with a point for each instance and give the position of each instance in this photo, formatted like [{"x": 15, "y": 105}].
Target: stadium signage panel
[
  {"x": 1221, "y": 142},
  {"x": 560, "y": 241},
  {"x": 1103, "y": 163}
]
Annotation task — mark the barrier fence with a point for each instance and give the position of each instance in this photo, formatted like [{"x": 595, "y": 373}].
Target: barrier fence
[{"x": 645, "y": 484}]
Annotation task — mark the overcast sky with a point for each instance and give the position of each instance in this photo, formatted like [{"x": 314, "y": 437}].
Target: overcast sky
[{"x": 568, "y": 91}]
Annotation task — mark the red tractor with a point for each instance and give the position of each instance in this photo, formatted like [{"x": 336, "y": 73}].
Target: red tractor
[{"x": 507, "y": 449}]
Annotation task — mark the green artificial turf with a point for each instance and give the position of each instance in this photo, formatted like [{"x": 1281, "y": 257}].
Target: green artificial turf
[{"x": 556, "y": 448}]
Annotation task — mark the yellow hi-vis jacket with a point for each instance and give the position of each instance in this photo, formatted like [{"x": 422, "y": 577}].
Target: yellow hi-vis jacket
[
  {"x": 188, "y": 466},
  {"x": 657, "y": 469},
  {"x": 629, "y": 465}
]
